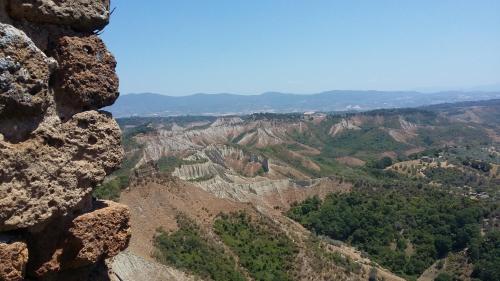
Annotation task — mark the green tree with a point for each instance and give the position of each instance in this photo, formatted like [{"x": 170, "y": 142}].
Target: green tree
[
  {"x": 188, "y": 248},
  {"x": 443, "y": 245}
]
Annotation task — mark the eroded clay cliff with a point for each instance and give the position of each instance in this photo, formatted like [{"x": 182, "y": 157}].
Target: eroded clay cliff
[{"x": 55, "y": 144}]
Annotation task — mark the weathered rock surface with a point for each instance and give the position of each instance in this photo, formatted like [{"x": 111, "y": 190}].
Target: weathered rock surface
[
  {"x": 24, "y": 77},
  {"x": 13, "y": 259},
  {"x": 24, "y": 69},
  {"x": 55, "y": 147},
  {"x": 86, "y": 77},
  {"x": 49, "y": 175},
  {"x": 103, "y": 233},
  {"x": 86, "y": 240},
  {"x": 82, "y": 15}
]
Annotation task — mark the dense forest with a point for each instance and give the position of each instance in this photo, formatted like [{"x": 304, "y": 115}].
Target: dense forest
[{"x": 403, "y": 232}]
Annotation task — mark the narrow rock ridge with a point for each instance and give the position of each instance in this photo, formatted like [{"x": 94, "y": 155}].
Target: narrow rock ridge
[
  {"x": 55, "y": 144},
  {"x": 129, "y": 267}
]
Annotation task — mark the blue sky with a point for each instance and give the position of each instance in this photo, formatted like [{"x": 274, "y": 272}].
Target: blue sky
[{"x": 254, "y": 46}]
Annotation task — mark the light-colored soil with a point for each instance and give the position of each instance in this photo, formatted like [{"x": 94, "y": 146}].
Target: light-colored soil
[
  {"x": 414, "y": 150},
  {"x": 391, "y": 154},
  {"x": 280, "y": 171},
  {"x": 495, "y": 171},
  {"x": 455, "y": 264},
  {"x": 493, "y": 135},
  {"x": 129, "y": 267},
  {"x": 307, "y": 150},
  {"x": 304, "y": 161},
  {"x": 350, "y": 161},
  {"x": 282, "y": 199},
  {"x": 432, "y": 272},
  {"x": 399, "y": 135}
]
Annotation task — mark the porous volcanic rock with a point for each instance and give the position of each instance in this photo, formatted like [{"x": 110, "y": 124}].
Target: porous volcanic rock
[
  {"x": 24, "y": 77},
  {"x": 87, "y": 239},
  {"x": 82, "y": 15},
  {"x": 86, "y": 77},
  {"x": 103, "y": 233},
  {"x": 13, "y": 259},
  {"x": 55, "y": 146},
  {"x": 50, "y": 174},
  {"x": 44, "y": 36}
]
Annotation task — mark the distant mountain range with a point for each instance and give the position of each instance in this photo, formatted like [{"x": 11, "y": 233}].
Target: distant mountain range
[{"x": 149, "y": 104}]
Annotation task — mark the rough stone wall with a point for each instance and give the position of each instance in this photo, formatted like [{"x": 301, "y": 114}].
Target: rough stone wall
[{"x": 55, "y": 144}]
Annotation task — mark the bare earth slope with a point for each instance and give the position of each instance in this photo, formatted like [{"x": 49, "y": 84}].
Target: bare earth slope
[{"x": 157, "y": 204}]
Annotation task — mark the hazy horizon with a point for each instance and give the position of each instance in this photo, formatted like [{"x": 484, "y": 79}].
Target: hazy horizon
[
  {"x": 484, "y": 89},
  {"x": 185, "y": 47}
]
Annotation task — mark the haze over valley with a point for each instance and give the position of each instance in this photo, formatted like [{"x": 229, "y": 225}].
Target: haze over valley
[{"x": 148, "y": 104}]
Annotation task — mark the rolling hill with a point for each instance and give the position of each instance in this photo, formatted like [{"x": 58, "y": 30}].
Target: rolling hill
[{"x": 148, "y": 104}]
